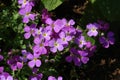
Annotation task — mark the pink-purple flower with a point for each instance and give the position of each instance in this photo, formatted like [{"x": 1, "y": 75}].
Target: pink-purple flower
[
  {"x": 92, "y": 29},
  {"x": 107, "y": 41},
  {"x": 40, "y": 47},
  {"x": 64, "y": 38},
  {"x": 80, "y": 41},
  {"x": 26, "y": 13},
  {"x": 55, "y": 45},
  {"x": 77, "y": 56},
  {"x": 34, "y": 61},
  {"x": 15, "y": 62},
  {"x": 30, "y": 30},
  {"x": 53, "y": 78}
]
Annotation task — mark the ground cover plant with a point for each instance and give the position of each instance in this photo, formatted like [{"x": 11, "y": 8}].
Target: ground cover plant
[{"x": 59, "y": 40}]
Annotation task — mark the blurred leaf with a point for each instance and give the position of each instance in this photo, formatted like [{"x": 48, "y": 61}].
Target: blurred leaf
[
  {"x": 51, "y": 4},
  {"x": 92, "y": 1}
]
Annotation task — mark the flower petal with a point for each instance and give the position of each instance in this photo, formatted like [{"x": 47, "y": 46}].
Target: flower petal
[
  {"x": 38, "y": 63},
  {"x": 27, "y": 35},
  {"x": 31, "y": 64}
]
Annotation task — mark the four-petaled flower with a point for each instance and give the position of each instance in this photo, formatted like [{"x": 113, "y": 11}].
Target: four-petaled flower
[
  {"x": 55, "y": 44},
  {"x": 80, "y": 41},
  {"x": 30, "y": 30},
  {"x": 92, "y": 29},
  {"x": 64, "y": 38},
  {"x": 107, "y": 41},
  {"x": 34, "y": 60}
]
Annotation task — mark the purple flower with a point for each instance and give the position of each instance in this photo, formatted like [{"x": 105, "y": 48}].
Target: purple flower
[
  {"x": 23, "y": 3},
  {"x": 103, "y": 25},
  {"x": 53, "y": 78},
  {"x": 1, "y": 69},
  {"x": 1, "y": 57},
  {"x": 36, "y": 77},
  {"x": 80, "y": 41},
  {"x": 50, "y": 24},
  {"x": 55, "y": 44},
  {"x": 78, "y": 33},
  {"x": 15, "y": 62},
  {"x": 24, "y": 57},
  {"x": 64, "y": 38},
  {"x": 2, "y": 77},
  {"x": 25, "y": 12},
  {"x": 55, "y": 25},
  {"x": 30, "y": 30},
  {"x": 78, "y": 57},
  {"x": 38, "y": 32},
  {"x": 58, "y": 25},
  {"x": 92, "y": 29},
  {"x": 34, "y": 60},
  {"x": 83, "y": 56},
  {"x": 107, "y": 41},
  {"x": 40, "y": 47},
  {"x": 45, "y": 15},
  {"x": 68, "y": 27},
  {"x": 46, "y": 34},
  {"x": 69, "y": 23},
  {"x": 74, "y": 57}
]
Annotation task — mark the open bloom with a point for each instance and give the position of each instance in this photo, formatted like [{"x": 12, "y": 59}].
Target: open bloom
[
  {"x": 15, "y": 62},
  {"x": 34, "y": 60},
  {"x": 30, "y": 30},
  {"x": 23, "y": 3},
  {"x": 55, "y": 44},
  {"x": 24, "y": 55},
  {"x": 92, "y": 30},
  {"x": 80, "y": 41},
  {"x": 107, "y": 41},
  {"x": 64, "y": 38},
  {"x": 55, "y": 25},
  {"x": 26, "y": 13},
  {"x": 77, "y": 56},
  {"x": 40, "y": 47}
]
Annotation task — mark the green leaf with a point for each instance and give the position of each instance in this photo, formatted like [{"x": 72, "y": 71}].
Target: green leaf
[
  {"x": 92, "y": 1},
  {"x": 51, "y": 4},
  {"x": 91, "y": 40}
]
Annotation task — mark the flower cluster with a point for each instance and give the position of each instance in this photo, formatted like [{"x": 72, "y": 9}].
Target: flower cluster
[
  {"x": 106, "y": 37},
  {"x": 5, "y": 75},
  {"x": 53, "y": 37},
  {"x": 25, "y": 10}
]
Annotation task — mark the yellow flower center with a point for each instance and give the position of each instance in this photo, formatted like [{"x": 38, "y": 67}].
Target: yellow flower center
[
  {"x": 55, "y": 44},
  {"x": 63, "y": 39},
  {"x": 93, "y": 29},
  {"x": 35, "y": 59},
  {"x": 41, "y": 45},
  {"x": 24, "y": 1},
  {"x": 39, "y": 32},
  {"x": 27, "y": 13},
  {"x": 44, "y": 34},
  {"x": 81, "y": 42}
]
